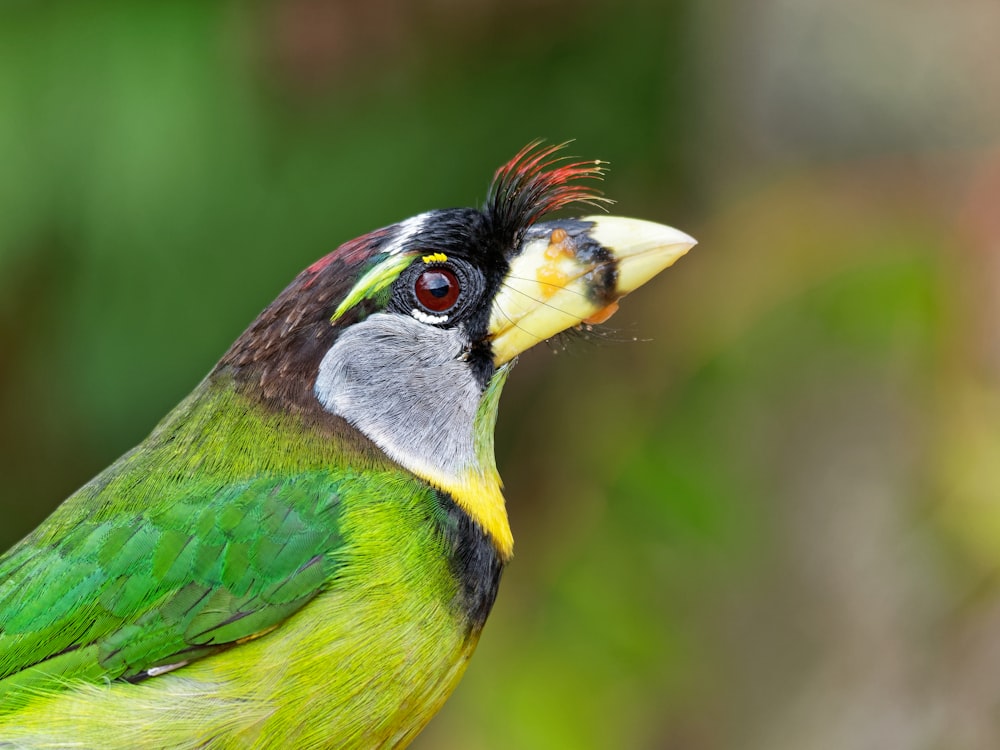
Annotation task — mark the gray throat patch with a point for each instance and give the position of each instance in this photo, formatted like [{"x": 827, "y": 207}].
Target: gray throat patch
[{"x": 404, "y": 385}]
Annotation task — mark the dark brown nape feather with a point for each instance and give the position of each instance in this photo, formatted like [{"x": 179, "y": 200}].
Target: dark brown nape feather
[
  {"x": 536, "y": 182},
  {"x": 278, "y": 355}
]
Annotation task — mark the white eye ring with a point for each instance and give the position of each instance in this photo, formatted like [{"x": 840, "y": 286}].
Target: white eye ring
[{"x": 433, "y": 320}]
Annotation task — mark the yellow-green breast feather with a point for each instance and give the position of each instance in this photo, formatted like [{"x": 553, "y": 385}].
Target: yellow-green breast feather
[{"x": 206, "y": 579}]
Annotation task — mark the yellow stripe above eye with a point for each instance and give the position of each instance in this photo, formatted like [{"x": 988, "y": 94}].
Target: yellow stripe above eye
[{"x": 435, "y": 258}]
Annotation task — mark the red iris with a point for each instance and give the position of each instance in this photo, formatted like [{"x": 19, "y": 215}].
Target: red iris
[{"x": 437, "y": 289}]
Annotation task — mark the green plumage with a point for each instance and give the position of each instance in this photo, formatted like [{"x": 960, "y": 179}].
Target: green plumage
[{"x": 214, "y": 531}]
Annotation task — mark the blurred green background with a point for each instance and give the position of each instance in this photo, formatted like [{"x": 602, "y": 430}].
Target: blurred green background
[{"x": 761, "y": 509}]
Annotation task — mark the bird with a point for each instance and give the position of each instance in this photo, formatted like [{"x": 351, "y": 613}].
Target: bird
[{"x": 303, "y": 553}]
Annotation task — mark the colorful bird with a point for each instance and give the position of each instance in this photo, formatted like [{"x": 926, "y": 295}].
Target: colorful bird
[{"x": 303, "y": 553}]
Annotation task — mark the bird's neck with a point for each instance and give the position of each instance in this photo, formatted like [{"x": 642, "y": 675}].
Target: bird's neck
[
  {"x": 422, "y": 403},
  {"x": 221, "y": 431}
]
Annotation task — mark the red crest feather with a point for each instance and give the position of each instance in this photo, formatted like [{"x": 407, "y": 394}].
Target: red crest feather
[{"x": 536, "y": 182}]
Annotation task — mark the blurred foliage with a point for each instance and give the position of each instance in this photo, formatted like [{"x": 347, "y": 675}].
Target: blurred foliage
[{"x": 761, "y": 509}]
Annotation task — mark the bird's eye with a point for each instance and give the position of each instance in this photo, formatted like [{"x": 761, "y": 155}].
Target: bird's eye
[{"x": 437, "y": 289}]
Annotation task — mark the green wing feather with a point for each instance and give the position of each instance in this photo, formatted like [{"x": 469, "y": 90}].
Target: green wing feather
[{"x": 117, "y": 595}]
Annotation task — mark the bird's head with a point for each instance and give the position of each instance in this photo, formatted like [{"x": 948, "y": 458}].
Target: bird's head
[{"x": 408, "y": 332}]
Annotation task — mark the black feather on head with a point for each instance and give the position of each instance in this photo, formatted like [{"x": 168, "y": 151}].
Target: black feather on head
[{"x": 536, "y": 182}]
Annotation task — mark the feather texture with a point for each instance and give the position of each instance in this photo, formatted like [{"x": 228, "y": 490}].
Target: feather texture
[{"x": 152, "y": 577}]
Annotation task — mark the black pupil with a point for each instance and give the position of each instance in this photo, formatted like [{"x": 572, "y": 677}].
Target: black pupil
[{"x": 437, "y": 284}]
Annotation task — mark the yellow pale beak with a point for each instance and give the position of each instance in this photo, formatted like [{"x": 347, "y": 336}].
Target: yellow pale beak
[{"x": 574, "y": 271}]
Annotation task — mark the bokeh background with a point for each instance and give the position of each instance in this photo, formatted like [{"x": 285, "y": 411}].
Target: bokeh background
[{"x": 761, "y": 509}]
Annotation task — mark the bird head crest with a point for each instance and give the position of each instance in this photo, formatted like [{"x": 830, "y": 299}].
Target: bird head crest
[{"x": 536, "y": 182}]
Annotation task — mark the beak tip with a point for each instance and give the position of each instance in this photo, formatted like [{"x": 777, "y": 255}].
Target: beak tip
[
  {"x": 637, "y": 234},
  {"x": 643, "y": 248}
]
